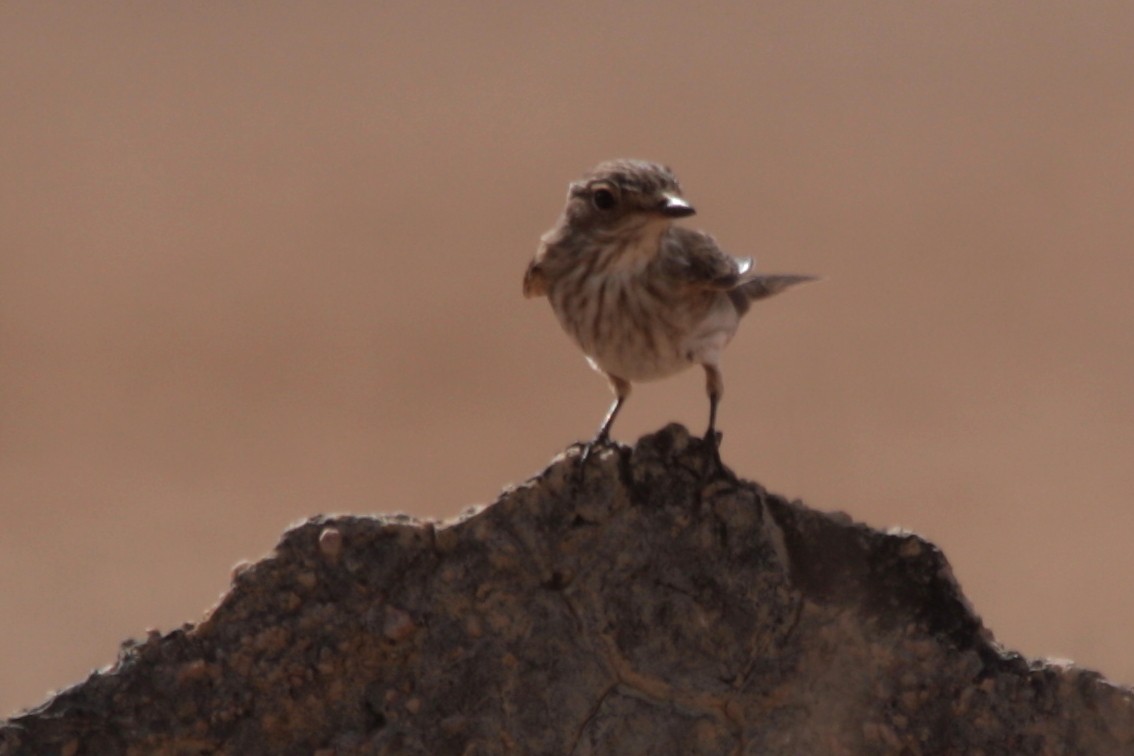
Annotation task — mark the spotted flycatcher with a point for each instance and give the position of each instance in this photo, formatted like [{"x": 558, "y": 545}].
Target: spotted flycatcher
[{"x": 642, "y": 298}]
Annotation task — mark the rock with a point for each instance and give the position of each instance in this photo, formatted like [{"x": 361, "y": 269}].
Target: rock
[{"x": 645, "y": 607}]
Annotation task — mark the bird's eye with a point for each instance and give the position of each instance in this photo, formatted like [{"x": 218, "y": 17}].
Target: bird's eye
[{"x": 603, "y": 199}]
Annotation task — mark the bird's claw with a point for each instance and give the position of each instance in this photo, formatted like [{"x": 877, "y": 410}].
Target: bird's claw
[{"x": 588, "y": 449}]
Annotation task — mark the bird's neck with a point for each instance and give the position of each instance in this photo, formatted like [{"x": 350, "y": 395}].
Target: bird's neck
[{"x": 638, "y": 239}]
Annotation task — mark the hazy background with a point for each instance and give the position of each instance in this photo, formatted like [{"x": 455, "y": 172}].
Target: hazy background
[{"x": 261, "y": 261}]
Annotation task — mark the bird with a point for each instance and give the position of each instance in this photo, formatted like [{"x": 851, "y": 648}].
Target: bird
[{"x": 641, "y": 297}]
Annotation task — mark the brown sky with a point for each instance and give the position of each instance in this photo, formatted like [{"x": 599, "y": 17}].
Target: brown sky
[{"x": 261, "y": 261}]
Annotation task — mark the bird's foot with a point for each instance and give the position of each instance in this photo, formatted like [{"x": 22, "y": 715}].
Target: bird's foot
[
  {"x": 712, "y": 445},
  {"x": 590, "y": 448}
]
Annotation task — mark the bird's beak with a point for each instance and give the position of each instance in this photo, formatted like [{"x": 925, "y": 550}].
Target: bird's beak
[{"x": 673, "y": 206}]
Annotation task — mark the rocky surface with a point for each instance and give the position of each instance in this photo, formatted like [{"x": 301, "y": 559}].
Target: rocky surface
[{"x": 643, "y": 607}]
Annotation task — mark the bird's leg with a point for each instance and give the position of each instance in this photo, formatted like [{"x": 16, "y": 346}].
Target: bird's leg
[
  {"x": 714, "y": 385},
  {"x": 621, "y": 389}
]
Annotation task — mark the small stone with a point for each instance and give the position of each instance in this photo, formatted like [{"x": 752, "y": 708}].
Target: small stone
[
  {"x": 331, "y": 543},
  {"x": 197, "y": 669},
  {"x": 240, "y": 569},
  {"x": 397, "y": 625},
  {"x": 910, "y": 548}
]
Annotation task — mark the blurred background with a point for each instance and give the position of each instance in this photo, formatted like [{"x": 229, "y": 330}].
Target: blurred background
[{"x": 259, "y": 262}]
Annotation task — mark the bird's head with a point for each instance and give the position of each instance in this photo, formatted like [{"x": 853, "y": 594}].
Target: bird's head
[{"x": 620, "y": 193}]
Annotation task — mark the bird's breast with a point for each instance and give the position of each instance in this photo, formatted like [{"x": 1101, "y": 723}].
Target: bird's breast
[{"x": 634, "y": 323}]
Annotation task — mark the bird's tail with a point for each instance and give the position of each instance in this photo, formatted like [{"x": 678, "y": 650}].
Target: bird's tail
[{"x": 764, "y": 286}]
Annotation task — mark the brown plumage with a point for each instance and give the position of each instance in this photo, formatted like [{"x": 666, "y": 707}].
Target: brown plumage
[{"x": 641, "y": 297}]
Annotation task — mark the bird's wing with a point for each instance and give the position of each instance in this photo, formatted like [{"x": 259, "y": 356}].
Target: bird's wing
[
  {"x": 694, "y": 258},
  {"x": 535, "y": 281}
]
